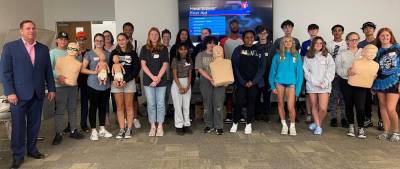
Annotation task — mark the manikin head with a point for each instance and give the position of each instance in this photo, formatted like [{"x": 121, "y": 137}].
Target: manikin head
[
  {"x": 369, "y": 52},
  {"x": 218, "y": 52},
  {"x": 72, "y": 49}
]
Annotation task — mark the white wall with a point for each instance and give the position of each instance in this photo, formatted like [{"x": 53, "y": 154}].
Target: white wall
[
  {"x": 144, "y": 14},
  {"x": 12, "y": 13},
  {"x": 350, "y": 13},
  {"x": 77, "y": 10},
  {"x": 106, "y": 25}
]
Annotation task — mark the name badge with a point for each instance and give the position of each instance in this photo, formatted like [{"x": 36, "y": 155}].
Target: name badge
[
  {"x": 156, "y": 56},
  {"x": 187, "y": 64},
  {"x": 392, "y": 54},
  {"x": 323, "y": 62},
  {"x": 266, "y": 54},
  {"x": 96, "y": 59}
]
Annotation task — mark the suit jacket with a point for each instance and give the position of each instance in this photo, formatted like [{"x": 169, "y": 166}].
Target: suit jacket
[{"x": 20, "y": 76}]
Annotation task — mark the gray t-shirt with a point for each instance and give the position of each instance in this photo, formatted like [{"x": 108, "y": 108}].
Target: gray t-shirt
[
  {"x": 183, "y": 67},
  {"x": 203, "y": 60},
  {"x": 92, "y": 80}
]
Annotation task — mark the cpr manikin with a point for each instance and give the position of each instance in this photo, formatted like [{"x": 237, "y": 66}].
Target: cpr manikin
[
  {"x": 69, "y": 66},
  {"x": 365, "y": 68},
  {"x": 117, "y": 70},
  {"x": 102, "y": 67},
  {"x": 221, "y": 69}
]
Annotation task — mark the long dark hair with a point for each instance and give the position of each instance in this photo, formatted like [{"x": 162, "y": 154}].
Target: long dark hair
[
  {"x": 178, "y": 55},
  {"x": 111, "y": 36},
  {"x": 188, "y": 41},
  {"x": 311, "y": 52},
  {"x": 129, "y": 46}
]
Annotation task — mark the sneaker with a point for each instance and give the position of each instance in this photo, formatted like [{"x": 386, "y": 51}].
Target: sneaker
[
  {"x": 242, "y": 121},
  {"x": 207, "y": 130},
  {"x": 368, "y": 123},
  {"x": 85, "y": 129},
  {"x": 395, "y": 137},
  {"x": 104, "y": 133},
  {"x": 333, "y": 122},
  {"x": 383, "y": 136},
  {"x": 228, "y": 119},
  {"x": 67, "y": 130},
  {"x": 234, "y": 128},
  {"x": 76, "y": 135},
  {"x": 187, "y": 130},
  {"x": 309, "y": 119},
  {"x": 351, "y": 131},
  {"x": 152, "y": 132},
  {"x": 380, "y": 125},
  {"x": 179, "y": 131},
  {"x": 285, "y": 130},
  {"x": 57, "y": 139},
  {"x": 219, "y": 131},
  {"x": 292, "y": 131},
  {"x": 120, "y": 134},
  {"x": 247, "y": 129},
  {"x": 361, "y": 133},
  {"x": 160, "y": 132},
  {"x": 136, "y": 123},
  {"x": 312, "y": 126},
  {"x": 344, "y": 123},
  {"x": 318, "y": 131},
  {"x": 128, "y": 133},
  {"x": 95, "y": 135}
]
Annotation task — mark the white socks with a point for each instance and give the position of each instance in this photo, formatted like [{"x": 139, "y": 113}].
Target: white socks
[{"x": 284, "y": 123}]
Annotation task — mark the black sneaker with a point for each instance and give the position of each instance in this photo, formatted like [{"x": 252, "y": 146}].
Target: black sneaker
[
  {"x": 180, "y": 131},
  {"x": 187, "y": 130},
  {"x": 228, "y": 119},
  {"x": 242, "y": 121},
  {"x": 219, "y": 131},
  {"x": 85, "y": 129},
  {"x": 207, "y": 130},
  {"x": 67, "y": 130},
  {"x": 368, "y": 123},
  {"x": 344, "y": 123},
  {"x": 57, "y": 139},
  {"x": 76, "y": 135},
  {"x": 380, "y": 125},
  {"x": 333, "y": 122}
]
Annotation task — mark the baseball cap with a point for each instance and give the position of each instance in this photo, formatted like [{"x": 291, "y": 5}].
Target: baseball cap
[
  {"x": 62, "y": 35},
  {"x": 370, "y": 24}
]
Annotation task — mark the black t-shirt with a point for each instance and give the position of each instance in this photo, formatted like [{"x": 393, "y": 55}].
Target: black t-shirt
[
  {"x": 154, "y": 61},
  {"x": 130, "y": 62}
]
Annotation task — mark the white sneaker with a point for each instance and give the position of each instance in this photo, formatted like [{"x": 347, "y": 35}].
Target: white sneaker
[
  {"x": 247, "y": 129},
  {"x": 351, "y": 131},
  {"x": 128, "y": 133},
  {"x": 285, "y": 130},
  {"x": 104, "y": 133},
  {"x": 293, "y": 131},
  {"x": 94, "y": 136},
  {"x": 234, "y": 128},
  {"x": 136, "y": 123}
]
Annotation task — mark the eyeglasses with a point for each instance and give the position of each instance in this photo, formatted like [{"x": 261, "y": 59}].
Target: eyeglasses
[{"x": 73, "y": 49}]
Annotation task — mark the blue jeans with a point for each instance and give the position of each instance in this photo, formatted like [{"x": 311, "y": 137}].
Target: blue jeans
[{"x": 155, "y": 97}]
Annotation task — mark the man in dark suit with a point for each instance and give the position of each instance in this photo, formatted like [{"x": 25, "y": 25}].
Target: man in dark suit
[{"x": 25, "y": 71}]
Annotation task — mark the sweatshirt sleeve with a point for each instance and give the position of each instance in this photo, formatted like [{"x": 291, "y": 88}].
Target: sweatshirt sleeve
[
  {"x": 299, "y": 75},
  {"x": 235, "y": 61},
  {"x": 272, "y": 72},
  {"x": 307, "y": 73},
  {"x": 261, "y": 69},
  {"x": 330, "y": 72},
  {"x": 53, "y": 64},
  {"x": 134, "y": 67}
]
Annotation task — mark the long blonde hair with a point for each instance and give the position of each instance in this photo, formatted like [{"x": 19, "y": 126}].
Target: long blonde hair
[
  {"x": 282, "y": 49},
  {"x": 149, "y": 46}
]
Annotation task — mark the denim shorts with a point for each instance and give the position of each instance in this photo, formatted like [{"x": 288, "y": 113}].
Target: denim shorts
[
  {"x": 285, "y": 85},
  {"x": 130, "y": 87}
]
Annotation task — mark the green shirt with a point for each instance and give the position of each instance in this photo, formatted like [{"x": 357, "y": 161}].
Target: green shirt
[{"x": 54, "y": 54}]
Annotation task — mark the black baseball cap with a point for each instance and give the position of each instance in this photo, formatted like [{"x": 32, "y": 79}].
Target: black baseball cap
[
  {"x": 370, "y": 24},
  {"x": 62, "y": 35}
]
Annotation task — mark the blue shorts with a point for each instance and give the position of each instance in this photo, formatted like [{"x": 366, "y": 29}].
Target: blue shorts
[{"x": 285, "y": 85}]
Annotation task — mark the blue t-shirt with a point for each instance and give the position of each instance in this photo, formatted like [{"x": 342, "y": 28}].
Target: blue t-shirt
[
  {"x": 364, "y": 43},
  {"x": 389, "y": 67},
  {"x": 92, "y": 80},
  {"x": 304, "y": 47}
]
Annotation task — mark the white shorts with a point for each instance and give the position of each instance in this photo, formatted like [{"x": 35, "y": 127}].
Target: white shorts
[{"x": 130, "y": 87}]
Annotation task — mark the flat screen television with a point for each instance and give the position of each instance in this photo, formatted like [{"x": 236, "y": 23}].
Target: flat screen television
[{"x": 195, "y": 15}]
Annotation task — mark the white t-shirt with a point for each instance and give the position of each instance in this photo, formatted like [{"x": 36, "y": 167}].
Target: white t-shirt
[{"x": 342, "y": 46}]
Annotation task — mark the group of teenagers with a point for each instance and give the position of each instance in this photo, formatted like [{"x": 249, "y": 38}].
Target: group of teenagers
[{"x": 286, "y": 68}]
